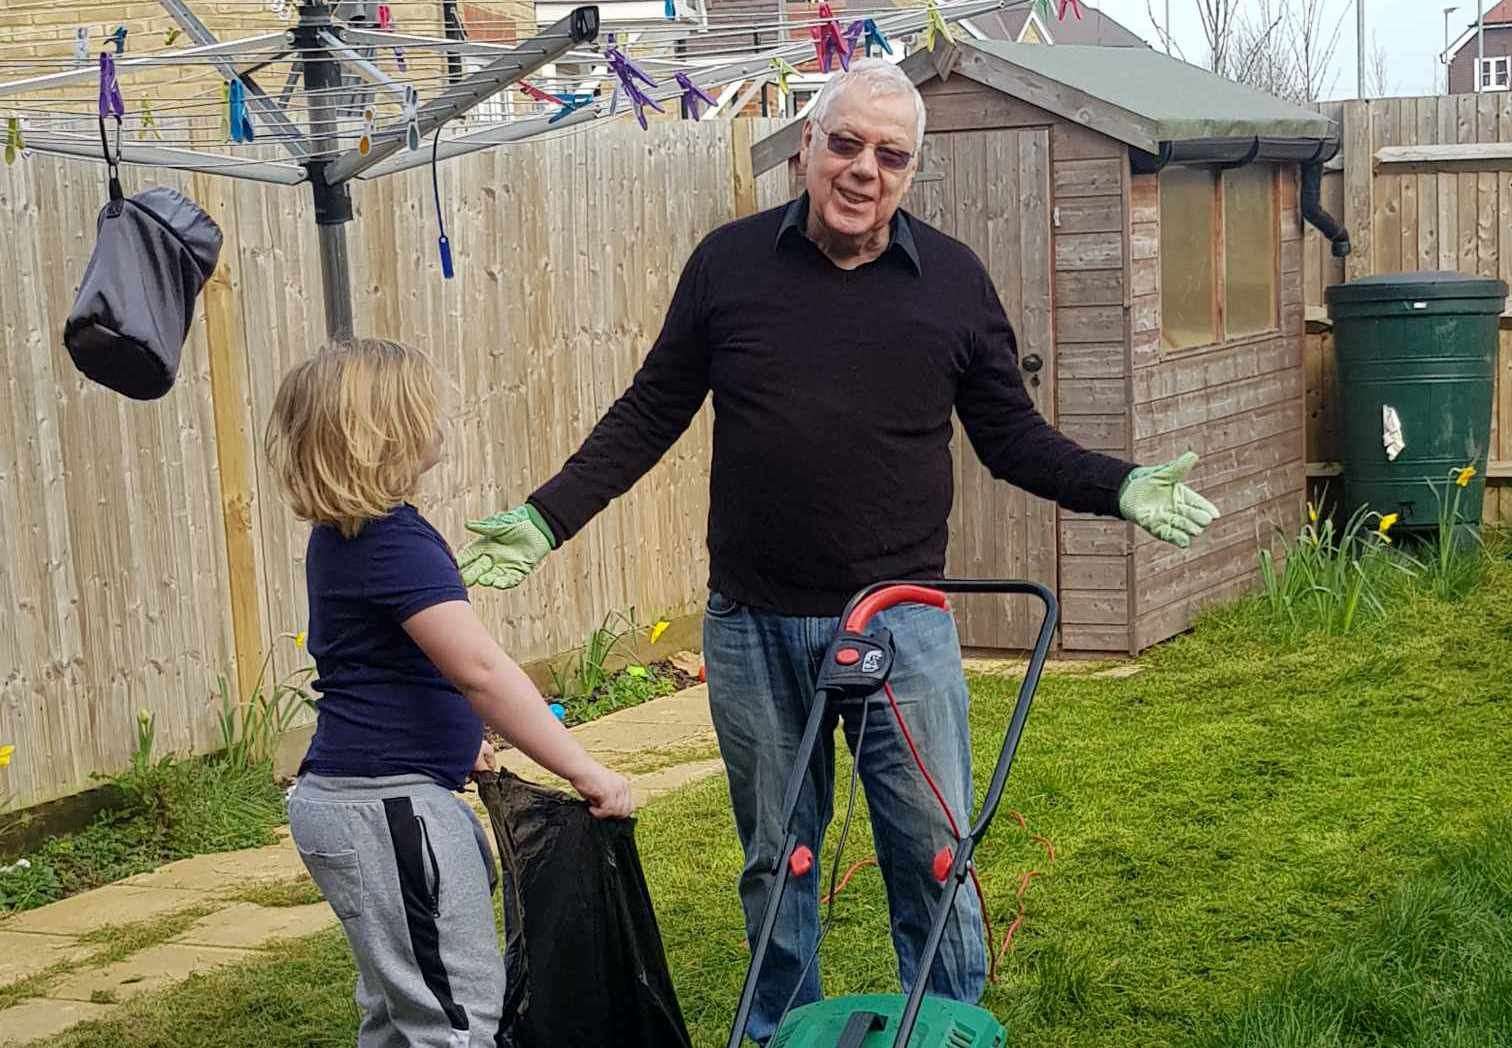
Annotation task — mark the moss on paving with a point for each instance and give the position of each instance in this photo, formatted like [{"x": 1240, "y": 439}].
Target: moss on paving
[
  {"x": 644, "y": 762},
  {"x": 296, "y": 891},
  {"x": 1235, "y": 815}
]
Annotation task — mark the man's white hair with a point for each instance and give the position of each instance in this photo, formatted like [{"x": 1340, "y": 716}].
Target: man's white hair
[{"x": 876, "y": 77}]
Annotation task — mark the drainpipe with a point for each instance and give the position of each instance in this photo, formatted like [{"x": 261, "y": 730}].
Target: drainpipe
[{"x": 1312, "y": 208}]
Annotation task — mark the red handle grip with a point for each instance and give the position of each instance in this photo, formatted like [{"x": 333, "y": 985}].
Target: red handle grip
[{"x": 883, "y": 599}]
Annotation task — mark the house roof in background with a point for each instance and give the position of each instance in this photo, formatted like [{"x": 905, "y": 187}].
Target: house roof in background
[
  {"x": 1093, "y": 29},
  {"x": 1498, "y": 17}
]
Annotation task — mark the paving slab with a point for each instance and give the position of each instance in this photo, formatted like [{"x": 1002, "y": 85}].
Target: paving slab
[
  {"x": 42, "y": 1018},
  {"x": 689, "y": 707},
  {"x": 630, "y": 736},
  {"x": 246, "y": 926},
  {"x": 112, "y": 904},
  {"x": 155, "y": 969},
  {"x": 24, "y": 954},
  {"x": 226, "y": 870}
]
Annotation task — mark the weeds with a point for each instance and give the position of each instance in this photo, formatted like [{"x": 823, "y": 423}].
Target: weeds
[
  {"x": 170, "y": 809},
  {"x": 297, "y": 891},
  {"x": 588, "y": 688}
]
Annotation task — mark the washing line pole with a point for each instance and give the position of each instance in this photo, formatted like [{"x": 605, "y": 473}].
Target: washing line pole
[{"x": 333, "y": 201}]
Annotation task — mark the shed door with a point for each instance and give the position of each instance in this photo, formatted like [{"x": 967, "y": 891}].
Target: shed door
[{"x": 991, "y": 190}]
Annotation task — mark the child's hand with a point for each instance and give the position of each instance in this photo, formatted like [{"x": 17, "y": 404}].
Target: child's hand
[
  {"x": 485, "y": 761},
  {"x": 607, "y": 792}
]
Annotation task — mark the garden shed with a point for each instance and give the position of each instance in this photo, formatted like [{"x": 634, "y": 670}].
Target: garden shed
[{"x": 1142, "y": 220}]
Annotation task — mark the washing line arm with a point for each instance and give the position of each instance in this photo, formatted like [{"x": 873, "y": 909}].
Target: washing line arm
[
  {"x": 578, "y": 27},
  {"x": 285, "y": 131}
]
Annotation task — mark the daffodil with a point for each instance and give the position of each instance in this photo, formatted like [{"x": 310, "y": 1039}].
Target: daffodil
[
  {"x": 1385, "y": 525},
  {"x": 659, "y": 629},
  {"x": 1462, "y": 478},
  {"x": 1312, "y": 513},
  {"x": 6, "y": 753},
  {"x": 299, "y": 640}
]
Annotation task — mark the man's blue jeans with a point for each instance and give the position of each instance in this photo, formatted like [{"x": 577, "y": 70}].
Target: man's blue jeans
[{"x": 761, "y": 669}]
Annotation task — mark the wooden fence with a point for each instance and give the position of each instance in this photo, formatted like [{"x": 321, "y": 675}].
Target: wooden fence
[
  {"x": 1424, "y": 184},
  {"x": 146, "y": 548}
]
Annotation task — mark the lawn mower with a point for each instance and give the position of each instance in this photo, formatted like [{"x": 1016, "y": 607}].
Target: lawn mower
[{"x": 857, "y": 665}]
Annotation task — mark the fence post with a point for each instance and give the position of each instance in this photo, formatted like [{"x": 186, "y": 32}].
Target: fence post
[
  {"x": 742, "y": 178},
  {"x": 233, "y": 452}
]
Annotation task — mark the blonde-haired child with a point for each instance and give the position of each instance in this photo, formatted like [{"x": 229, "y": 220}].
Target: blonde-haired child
[{"x": 408, "y": 678}]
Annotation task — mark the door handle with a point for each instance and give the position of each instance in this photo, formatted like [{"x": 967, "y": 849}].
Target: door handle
[{"x": 1033, "y": 363}]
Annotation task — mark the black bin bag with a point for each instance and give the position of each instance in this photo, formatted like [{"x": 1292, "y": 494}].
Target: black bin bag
[
  {"x": 586, "y": 966},
  {"x": 131, "y": 316}
]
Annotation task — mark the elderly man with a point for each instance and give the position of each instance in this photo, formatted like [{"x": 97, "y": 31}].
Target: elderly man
[{"x": 837, "y": 335}]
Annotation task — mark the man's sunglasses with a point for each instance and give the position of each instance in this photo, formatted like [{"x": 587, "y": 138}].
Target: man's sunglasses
[{"x": 847, "y": 148}]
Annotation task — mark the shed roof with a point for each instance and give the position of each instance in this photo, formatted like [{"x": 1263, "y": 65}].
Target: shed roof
[
  {"x": 1174, "y": 100},
  {"x": 1134, "y": 95}
]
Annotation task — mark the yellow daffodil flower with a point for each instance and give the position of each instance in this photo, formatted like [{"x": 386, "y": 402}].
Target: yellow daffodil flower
[
  {"x": 6, "y": 753},
  {"x": 1462, "y": 478},
  {"x": 1312, "y": 513},
  {"x": 1386, "y": 522},
  {"x": 659, "y": 629},
  {"x": 299, "y": 640}
]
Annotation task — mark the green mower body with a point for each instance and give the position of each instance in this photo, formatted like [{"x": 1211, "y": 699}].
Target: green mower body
[{"x": 942, "y": 1024}]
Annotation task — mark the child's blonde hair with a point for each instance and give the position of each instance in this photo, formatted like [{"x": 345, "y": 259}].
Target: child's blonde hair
[{"x": 350, "y": 431}]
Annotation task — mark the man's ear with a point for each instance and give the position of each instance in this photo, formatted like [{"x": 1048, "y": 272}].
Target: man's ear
[{"x": 804, "y": 144}]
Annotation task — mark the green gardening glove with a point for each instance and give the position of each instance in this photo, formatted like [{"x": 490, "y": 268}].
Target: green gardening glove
[
  {"x": 1155, "y": 498},
  {"x": 511, "y": 546}
]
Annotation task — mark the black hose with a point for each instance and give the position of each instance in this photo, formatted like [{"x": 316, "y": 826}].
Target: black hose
[{"x": 1312, "y": 209}]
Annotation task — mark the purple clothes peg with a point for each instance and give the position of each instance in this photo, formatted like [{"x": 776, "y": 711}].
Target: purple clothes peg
[
  {"x": 694, "y": 97},
  {"x": 110, "y": 91},
  {"x": 628, "y": 72}
]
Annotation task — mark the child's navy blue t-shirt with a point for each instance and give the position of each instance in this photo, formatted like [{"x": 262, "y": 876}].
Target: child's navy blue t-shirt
[{"x": 384, "y": 708}]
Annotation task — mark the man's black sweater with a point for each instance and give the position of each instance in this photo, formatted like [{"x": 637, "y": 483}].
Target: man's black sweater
[{"x": 833, "y": 392}]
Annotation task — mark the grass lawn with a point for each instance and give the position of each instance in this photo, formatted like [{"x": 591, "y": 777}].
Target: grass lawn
[{"x": 1258, "y": 843}]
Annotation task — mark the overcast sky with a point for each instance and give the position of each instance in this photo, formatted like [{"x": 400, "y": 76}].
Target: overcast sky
[{"x": 1411, "y": 32}]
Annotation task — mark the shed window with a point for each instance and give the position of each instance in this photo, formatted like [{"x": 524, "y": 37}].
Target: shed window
[
  {"x": 1249, "y": 244},
  {"x": 1188, "y": 222},
  {"x": 1219, "y": 254}
]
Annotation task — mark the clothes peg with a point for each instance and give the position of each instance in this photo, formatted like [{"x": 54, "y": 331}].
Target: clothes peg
[
  {"x": 111, "y": 104},
  {"x": 693, "y": 96},
  {"x": 628, "y": 72},
  {"x": 829, "y": 41},
  {"x": 935, "y": 25},
  {"x": 399, "y": 60},
  {"x": 149, "y": 122},
  {"x": 236, "y": 112},
  {"x": 412, "y": 117},
  {"x": 15, "y": 144},
  {"x": 531, "y": 91},
  {"x": 385, "y": 18},
  {"x": 81, "y": 44},
  {"x": 1075, "y": 7},
  {"x": 865, "y": 30},
  {"x": 784, "y": 69},
  {"x": 369, "y": 126},
  {"x": 118, "y": 37},
  {"x": 669, "y": 9},
  {"x": 170, "y": 36},
  {"x": 570, "y": 104}
]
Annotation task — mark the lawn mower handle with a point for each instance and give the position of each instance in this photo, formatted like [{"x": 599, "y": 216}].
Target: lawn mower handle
[{"x": 857, "y": 616}]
